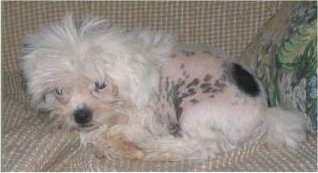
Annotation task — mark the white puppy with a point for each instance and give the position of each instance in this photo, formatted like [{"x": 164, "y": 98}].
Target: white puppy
[{"x": 140, "y": 95}]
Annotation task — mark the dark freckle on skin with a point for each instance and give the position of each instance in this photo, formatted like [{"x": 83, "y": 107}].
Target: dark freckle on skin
[
  {"x": 173, "y": 55},
  {"x": 205, "y": 85},
  {"x": 184, "y": 95},
  {"x": 211, "y": 96},
  {"x": 182, "y": 66},
  {"x": 207, "y": 78},
  {"x": 174, "y": 129},
  {"x": 180, "y": 83},
  {"x": 207, "y": 90},
  {"x": 178, "y": 102},
  {"x": 184, "y": 73},
  {"x": 214, "y": 90},
  {"x": 191, "y": 91},
  {"x": 219, "y": 84},
  {"x": 223, "y": 78},
  {"x": 194, "y": 101},
  {"x": 178, "y": 113},
  {"x": 193, "y": 83}
]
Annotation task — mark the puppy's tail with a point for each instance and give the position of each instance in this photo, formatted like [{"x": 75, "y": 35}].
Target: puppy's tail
[{"x": 284, "y": 128}]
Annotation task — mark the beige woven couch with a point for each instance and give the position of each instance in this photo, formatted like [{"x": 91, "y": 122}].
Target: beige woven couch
[{"x": 30, "y": 143}]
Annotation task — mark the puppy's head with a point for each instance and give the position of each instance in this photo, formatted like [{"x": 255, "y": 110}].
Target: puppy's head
[{"x": 85, "y": 72}]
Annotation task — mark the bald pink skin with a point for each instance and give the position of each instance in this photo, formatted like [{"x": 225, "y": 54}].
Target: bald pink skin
[{"x": 199, "y": 79}]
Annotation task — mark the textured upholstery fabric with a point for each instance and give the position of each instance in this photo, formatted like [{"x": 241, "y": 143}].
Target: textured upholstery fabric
[
  {"x": 29, "y": 141},
  {"x": 226, "y": 25}
]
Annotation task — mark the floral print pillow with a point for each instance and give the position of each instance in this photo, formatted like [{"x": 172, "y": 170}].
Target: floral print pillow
[{"x": 284, "y": 56}]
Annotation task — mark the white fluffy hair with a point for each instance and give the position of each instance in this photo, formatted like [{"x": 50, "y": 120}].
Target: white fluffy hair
[
  {"x": 68, "y": 65},
  {"x": 142, "y": 59}
]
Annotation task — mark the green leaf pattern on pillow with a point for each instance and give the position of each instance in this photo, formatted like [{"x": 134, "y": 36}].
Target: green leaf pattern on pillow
[
  {"x": 295, "y": 84},
  {"x": 283, "y": 55}
]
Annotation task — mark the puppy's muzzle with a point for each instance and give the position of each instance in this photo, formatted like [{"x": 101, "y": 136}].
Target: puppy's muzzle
[{"x": 83, "y": 116}]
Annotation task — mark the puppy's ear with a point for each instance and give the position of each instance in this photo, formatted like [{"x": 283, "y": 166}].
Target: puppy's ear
[
  {"x": 152, "y": 51},
  {"x": 41, "y": 99}
]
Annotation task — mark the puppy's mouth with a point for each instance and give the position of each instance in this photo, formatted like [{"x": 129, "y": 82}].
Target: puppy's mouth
[{"x": 87, "y": 127}]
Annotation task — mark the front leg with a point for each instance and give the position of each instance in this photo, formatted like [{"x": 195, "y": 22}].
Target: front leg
[{"x": 117, "y": 146}]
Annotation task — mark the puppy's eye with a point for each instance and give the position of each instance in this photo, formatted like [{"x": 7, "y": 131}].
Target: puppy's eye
[
  {"x": 59, "y": 92},
  {"x": 100, "y": 86}
]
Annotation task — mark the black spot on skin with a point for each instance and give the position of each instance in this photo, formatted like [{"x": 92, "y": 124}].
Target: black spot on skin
[
  {"x": 205, "y": 85},
  {"x": 178, "y": 113},
  {"x": 207, "y": 90},
  {"x": 184, "y": 73},
  {"x": 181, "y": 82},
  {"x": 178, "y": 101},
  {"x": 211, "y": 96},
  {"x": 182, "y": 66},
  {"x": 216, "y": 90},
  {"x": 184, "y": 95},
  {"x": 207, "y": 78},
  {"x": 219, "y": 84},
  {"x": 223, "y": 78},
  {"x": 172, "y": 92},
  {"x": 244, "y": 80},
  {"x": 173, "y": 55},
  {"x": 188, "y": 53},
  {"x": 195, "y": 82},
  {"x": 194, "y": 101},
  {"x": 191, "y": 91},
  {"x": 174, "y": 129}
]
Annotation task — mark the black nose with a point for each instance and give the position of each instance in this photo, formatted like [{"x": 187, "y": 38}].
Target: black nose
[{"x": 83, "y": 116}]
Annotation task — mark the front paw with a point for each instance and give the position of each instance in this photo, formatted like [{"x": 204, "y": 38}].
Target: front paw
[{"x": 115, "y": 146}]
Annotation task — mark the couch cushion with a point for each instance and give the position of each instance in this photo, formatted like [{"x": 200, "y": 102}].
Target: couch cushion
[
  {"x": 226, "y": 25},
  {"x": 29, "y": 143}
]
